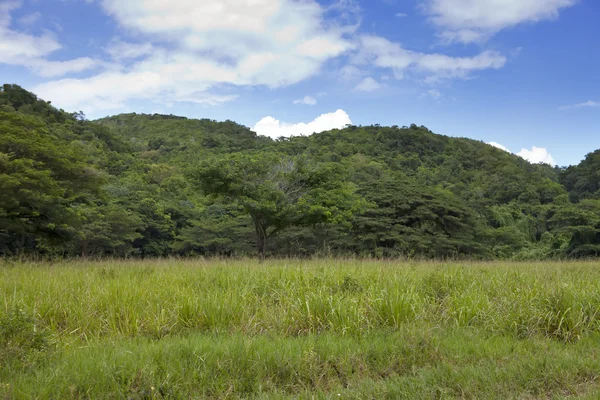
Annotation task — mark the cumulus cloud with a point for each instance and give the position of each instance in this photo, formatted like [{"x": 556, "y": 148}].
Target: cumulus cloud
[
  {"x": 269, "y": 126},
  {"x": 308, "y": 100},
  {"x": 469, "y": 21},
  {"x": 586, "y": 104},
  {"x": 535, "y": 156},
  {"x": 378, "y": 51},
  {"x": 367, "y": 85}
]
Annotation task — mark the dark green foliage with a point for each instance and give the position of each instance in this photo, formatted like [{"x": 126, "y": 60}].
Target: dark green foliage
[
  {"x": 279, "y": 192},
  {"x": 160, "y": 185},
  {"x": 577, "y": 229},
  {"x": 15, "y": 98},
  {"x": 220, "y": 229},
  {"x": 583, "y": 180},
  {"x": 42, "y": 176},
  {"x": 408, "y": 219}
]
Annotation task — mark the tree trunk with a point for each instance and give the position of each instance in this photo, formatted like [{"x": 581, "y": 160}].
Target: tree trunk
[
  {"x": 84, "y": 246},
  {"x": 262, "y": 249},
  {"x": 261, "y": 238}
]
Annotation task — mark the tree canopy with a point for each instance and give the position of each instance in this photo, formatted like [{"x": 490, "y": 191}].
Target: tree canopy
[
  {"x": 279, "y": 192},
  {"x": 158, "y": 185}
]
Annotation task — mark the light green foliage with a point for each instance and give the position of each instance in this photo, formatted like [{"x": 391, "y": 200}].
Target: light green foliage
[{"x": 293, "y": 329}]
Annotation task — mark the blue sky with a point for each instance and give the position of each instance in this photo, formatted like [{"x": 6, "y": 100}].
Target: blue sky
[{"x": 522, "y": 74}]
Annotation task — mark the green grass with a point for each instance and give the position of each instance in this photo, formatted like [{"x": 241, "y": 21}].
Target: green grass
[{"x": 299, "y": 329}]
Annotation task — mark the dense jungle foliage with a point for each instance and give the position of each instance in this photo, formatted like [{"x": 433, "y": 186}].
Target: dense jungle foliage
[{"x": 160, "y": 185}]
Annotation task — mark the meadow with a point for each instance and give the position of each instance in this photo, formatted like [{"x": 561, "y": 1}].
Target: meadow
[{"x": 331, "y": 328}]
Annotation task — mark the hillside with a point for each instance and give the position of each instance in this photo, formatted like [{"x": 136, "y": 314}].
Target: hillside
[{"x": 133, "y": 185}]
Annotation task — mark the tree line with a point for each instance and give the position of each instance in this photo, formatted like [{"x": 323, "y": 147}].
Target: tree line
[{"x": 136, "y": 185}]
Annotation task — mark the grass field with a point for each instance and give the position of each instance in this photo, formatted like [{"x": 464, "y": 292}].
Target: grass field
[{"x": 299, "y": 329}]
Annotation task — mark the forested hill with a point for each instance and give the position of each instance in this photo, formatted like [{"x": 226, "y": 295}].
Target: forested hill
[{"x": 157, "y": 185}]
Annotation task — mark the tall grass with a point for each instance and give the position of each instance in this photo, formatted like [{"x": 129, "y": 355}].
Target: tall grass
[{"x": 223, "y": 328}]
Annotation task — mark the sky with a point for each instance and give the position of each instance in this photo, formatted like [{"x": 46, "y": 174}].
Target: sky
[{"x": 521, "y": 75}]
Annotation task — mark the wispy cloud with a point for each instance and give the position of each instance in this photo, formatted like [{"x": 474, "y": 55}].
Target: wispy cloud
[
  {"x": 32, "y": 51},
  {"x": 468, "y": 21},
  {"x": 401, "y": 15},
  {"x": 368, "y": 85},
  {"x": 380, "y": 52},
  {"x": 587, "y": 104},
  {"x": 307, "y": 100},
  {"x": 432, "y": 94},
  {"x": 30, "y": 19},
  {"x": 350, "y": 73},
  {"x": 120, "y": 50}
]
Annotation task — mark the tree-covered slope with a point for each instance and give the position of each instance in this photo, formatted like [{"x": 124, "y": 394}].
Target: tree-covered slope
[
  {"x": 179, "y": 139},
  {"x": 149, "y": 185}
]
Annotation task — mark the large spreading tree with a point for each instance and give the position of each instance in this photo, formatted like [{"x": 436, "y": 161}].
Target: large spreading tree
[{"x": 279, "y": 192}]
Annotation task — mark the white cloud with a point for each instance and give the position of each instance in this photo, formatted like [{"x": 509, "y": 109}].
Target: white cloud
[
  {"x": 535, "y": 156},
  {"x": 101, "y": 91},
  {"x": 586, "y": 104},
  {"x": 367, "y": 85},
  {"x": 499, "y": 146},
  {"x": 308, "y": 100},
  {"x": 47, "y": 68},
  {"x": 378, "y": 51},
  {"x": 31, "y": 51},
  {"x": 274, "y": 128},
  {"x": 194, "y": 48},
  {"x": 15, "y": 46},
  {"x": 186, "y": 50},
  {"x": 470, "y": 21},
  {"x": 401, "y": 15}
]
